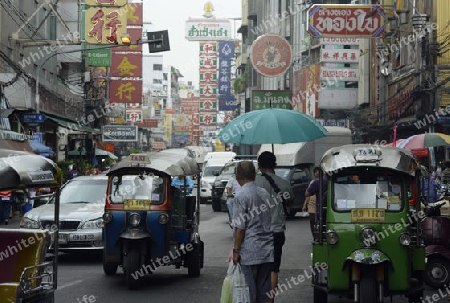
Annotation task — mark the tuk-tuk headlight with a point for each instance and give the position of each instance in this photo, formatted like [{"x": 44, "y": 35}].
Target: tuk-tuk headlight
[
  {"x": 163, "y": 218},
  {"x": 405, "y": 239},
  {"x": 368, "y": 235},
  {"x": 135, "y": 219},
  {"x": 107, "y": 218},
  {"x": 332, "y": 237}
]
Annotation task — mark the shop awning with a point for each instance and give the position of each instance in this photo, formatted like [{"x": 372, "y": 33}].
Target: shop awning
[
  {"x": 15, "y": 145},
  {"x": 74, "y": 126},
  {"x": 41, "y": 149},
  {"x": 98, "y": 153}
]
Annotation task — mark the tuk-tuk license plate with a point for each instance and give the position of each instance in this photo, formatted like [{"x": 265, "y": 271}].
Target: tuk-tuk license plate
[
  {"x": 134, "y": 204},
  {"x": 368, "y": 214},
  {"x": 81, "y": 237}
]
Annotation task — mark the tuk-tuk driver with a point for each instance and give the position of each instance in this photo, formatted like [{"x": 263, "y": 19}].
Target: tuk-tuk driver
[{"x": 179, "y": 182}]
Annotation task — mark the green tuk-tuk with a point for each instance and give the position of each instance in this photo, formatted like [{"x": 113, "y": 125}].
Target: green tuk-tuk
[{"x": 367, "y": 244}]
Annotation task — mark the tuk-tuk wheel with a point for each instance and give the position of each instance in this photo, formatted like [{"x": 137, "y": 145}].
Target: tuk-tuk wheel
[
  {"x": 108, "y": 268},
  {"x": 195, "y": 261},
  {"x": 437, "y": 272},
  {"x": 320, "y": 296},
  {"x": 416, "y": 298},
  {"x": 132, "y": 265},
  {"x": 368, "y": 290}
]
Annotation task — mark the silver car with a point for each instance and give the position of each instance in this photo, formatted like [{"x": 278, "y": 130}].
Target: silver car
[{"x": 82, "y": 203}]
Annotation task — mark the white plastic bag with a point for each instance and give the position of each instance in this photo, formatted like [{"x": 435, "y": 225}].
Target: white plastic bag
[
  {"x": 241, "y": 292},
  {"x": 228, "y": 284}
]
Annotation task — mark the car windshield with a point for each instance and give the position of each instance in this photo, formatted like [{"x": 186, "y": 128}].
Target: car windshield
[
  {"x": 208, "y": 172},
  {"x": 282, "y": 172},
  {"x": 84, "y": 191},
  {"x": 137, "y": 188},
  {"x": 369, "y": 191},
  {"x": 228, "y": 170}
]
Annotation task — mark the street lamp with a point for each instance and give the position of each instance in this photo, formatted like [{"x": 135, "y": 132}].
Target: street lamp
[{"x": 126, "y": 40}]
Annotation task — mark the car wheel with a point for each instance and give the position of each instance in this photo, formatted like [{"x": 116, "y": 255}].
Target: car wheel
[
  {"x": 290, "y": 213},
  {"x": 437, "y": 272}
]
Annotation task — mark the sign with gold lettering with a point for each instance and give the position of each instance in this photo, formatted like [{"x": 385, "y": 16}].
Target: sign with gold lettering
[
  {"x": 126, "y": 65},
  {"x": 134, "y": 204},
  {"x": 125, "y": 91}
]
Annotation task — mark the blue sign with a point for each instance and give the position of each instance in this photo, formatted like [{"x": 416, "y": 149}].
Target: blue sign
[
  {"x": 224, "y": 76},
  {"x": 33, "y": 118},
  {"x": 227, "y": 102},
  {"x": 37, "y": 137},
  {"x": 226, "y": 49}
]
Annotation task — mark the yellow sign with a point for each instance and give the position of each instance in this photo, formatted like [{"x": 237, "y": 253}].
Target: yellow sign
[
  {"x": 106, "y": 2},
  {"x": 134, "y": 204},
  {"x": 105, "y": 25},
  {"x": 368, "y": 215}
]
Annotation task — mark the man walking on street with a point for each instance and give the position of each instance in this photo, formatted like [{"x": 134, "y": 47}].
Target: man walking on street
[
  {"x": 253, "y": 240},
  {"x": 275, "y": 186}
]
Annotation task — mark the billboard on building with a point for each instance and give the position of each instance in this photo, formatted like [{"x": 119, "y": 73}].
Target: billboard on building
[
  {"x": 208, "y": 29},
  {"x": 120, "y": 133}
]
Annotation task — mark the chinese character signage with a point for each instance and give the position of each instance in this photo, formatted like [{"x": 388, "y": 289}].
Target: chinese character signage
[
  {"x": 227, "y": 102},
  {"x": 134, "y": 14},
  {"x": 208, "y": 48},
  {"x": 126, "y": 65},
  {"x": 208, "y": 104},
  {"x": 209, "y": 76},
  {"x": 208, "y": 119},
  {"x": 226, "y": 49},
  {"x": 262, "y": 99},
  {"x": 104, "y": 25},
  {"x": 209, "y": 62},
  {"x": 224, "y": 71},
  {"x": 134, "y": 115},
  {"x": 208, "y": 90},
  {"x": 339, "y": 55},
  {"x": 271, "y": 55},
  {"x": 120, "y": 133},
  {"x": 125, "y": 91},
  {"x": 208, "y": 29}
]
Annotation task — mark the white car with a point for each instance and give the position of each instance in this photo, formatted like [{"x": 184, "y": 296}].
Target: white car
[
  {"x": 209, "y": 175},
  {"x": 82, "y": 203}
]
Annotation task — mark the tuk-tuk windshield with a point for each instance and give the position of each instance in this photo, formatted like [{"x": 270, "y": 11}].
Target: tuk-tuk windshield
[
  {"x": 369, "y": 191},
  {"x": 146, "y": 187}
]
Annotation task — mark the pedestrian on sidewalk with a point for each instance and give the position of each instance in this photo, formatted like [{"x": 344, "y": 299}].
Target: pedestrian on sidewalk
[{"x": 6, "y": 199}]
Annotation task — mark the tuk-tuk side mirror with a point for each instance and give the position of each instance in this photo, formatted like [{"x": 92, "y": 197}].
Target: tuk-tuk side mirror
[
  {"x": 117, "y": 180},
  {"x": 216, "y": 173}
]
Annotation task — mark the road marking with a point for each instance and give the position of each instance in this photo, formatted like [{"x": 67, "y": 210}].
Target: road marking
[{"x": 69, "y": 284}]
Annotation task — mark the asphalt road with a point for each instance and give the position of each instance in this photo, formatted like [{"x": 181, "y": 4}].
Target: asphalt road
[{"x": 81, "y": 277}]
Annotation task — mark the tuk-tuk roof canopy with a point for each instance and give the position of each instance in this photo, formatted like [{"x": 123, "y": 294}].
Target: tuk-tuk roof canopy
[
  {"x": 172, "y": 164},
  {"x": 364, "y": 155},
  {"x": 20, "y": 170}
]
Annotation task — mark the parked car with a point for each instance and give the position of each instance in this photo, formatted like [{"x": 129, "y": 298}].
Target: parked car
[
  {"x": 210, "y": 171},
  {"x": 219, "y": 196},
  {"x": 82, "y": 203}
]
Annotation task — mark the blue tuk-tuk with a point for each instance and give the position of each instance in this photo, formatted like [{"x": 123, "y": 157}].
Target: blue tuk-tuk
[{"x": 149, "y": 223}]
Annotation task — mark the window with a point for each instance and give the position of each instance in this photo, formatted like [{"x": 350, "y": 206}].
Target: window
[
  {"x": 157, "y": 81},
  {"x": 157, "y": 67},
  {"x": 165, "y": 76},
  {"x": 137, "y": 188}
]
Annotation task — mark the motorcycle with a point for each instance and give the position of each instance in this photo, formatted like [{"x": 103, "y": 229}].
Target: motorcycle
[{"x": 436, "y": 237}]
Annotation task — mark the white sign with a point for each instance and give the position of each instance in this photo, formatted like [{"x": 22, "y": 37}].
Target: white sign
[
  {"x": 339, "y": 55},
  {"x": 208, "y": 29},
  {"x": 339, "y": 74},
  {"x": 332, "y": 122},
  {"x": 340, "y": 41},
  {"x": 341, "y": 98}
]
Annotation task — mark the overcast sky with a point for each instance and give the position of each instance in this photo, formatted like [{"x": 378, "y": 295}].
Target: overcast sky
[{"x": 171, "y": 15}]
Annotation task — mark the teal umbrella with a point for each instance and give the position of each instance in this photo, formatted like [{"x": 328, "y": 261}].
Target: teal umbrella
[{"x": 272, "y": 126}]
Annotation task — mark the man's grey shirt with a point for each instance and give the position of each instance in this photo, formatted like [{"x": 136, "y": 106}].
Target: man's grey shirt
[
  {"x": 278, "y": 215},
  {"x": 251, "y": 213}
]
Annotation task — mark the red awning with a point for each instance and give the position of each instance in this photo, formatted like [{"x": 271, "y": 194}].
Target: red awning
[{"x": 15, "y": 145}]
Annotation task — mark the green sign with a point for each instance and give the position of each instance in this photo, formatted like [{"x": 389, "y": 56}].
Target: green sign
[
  {"x": 99, "y": 57},
  {"x": 262, "y": 99}
]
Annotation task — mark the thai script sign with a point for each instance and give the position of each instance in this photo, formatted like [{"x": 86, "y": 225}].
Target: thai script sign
[
  {"x": 271, "y": 55},
  {"x": 339, "y": 41},
  {"x": 208, "y": 29},
  {"x": 339, "y": 55},
  {"x": 338, "y": 98},
  {"x": 262, "y": 99},
  {"x": 120, "y": 133},
  {"x": 338, "y": 74},
  {"x": 330, "y": 20}
]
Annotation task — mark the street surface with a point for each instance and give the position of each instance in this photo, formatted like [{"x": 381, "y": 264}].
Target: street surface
[{"x": 81, "y": 277}]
